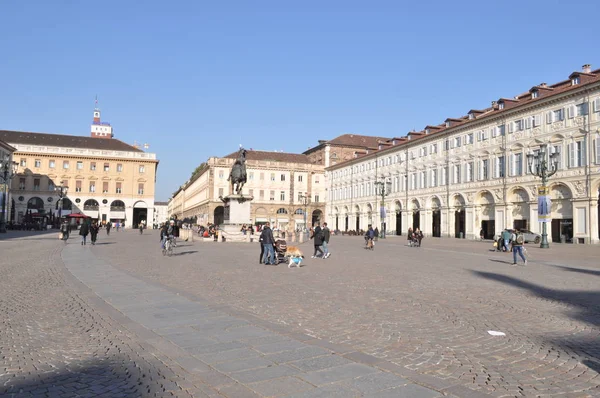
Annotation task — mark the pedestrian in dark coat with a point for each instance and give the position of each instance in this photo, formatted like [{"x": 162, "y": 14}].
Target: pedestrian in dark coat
[
  {"x": 84, "y": 230},
  {"x": 317, "y": 236},
  {"x": 94, "y": 232}
]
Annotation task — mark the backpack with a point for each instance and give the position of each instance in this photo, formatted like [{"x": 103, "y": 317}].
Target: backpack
[{"x": 519, "y": 239}]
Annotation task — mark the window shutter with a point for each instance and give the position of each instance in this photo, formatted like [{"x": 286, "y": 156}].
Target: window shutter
[
  {"x": 479, "y": 136},
  {"x": 562, "y": 114},
  {"x": 493, "y": 131},
  {"x": 511, "y": 164},
  {"x": 571, "y": 155},
  {"x": 583, "y": 160},
  {"x": 597, "y": 105},
  {"x": 549, "y": 117},
  {"x": 597, "y": 141},
  {"x": 510, "y": 127},
  {"x": 538, "y": 120},
  {"x": 571, "y": 111}
]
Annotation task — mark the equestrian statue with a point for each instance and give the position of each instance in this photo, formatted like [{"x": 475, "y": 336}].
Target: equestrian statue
[{"x": 237, "y": 175}]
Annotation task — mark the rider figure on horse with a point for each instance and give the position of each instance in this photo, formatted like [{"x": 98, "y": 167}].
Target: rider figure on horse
[{"x": 237, "y": 175}]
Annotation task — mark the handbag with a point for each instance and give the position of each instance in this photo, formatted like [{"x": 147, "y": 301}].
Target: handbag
[
  {"x": 60, "y": 235},
  {"x": 495, "y": 244}
]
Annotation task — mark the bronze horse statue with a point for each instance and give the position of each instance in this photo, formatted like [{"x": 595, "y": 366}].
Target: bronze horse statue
[{"x": 237, "y": 175}]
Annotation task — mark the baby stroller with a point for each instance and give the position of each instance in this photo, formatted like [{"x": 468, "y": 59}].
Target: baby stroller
[
  {"x": 280, "y": 249},
  {"x": 414, "y": 241}
]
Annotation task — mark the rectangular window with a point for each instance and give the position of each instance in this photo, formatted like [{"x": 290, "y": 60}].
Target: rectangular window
[
  {"x": 577, "y": 154},
  {"x": 221, "y": 174},
  {"x": 261, "y": 194},
  {"x": 272, "y": 195},
  {"x": 52, "y": 164},
  {"x": 300, "y": 196},
  {"x": 282, "y": 196},
  {"x": 316, "y": 198},
  {"x": 517, "y": 165},
  {"x": 140, "y": 189},
  {"x": 119, "y": 167},
  {"x": 581, "y": 109},
  {"x": 283, "y": 177},
  {"x": 299, "y": 178},
  {"x": 92, "y": 187},
  {"x": 559, "y": 161},
  {"x": 316, "y": 180},
  {"x": 93, "y": 166},
  {"x": 272, "y": 176},
  {"x": 262, "y": 176},
  {"x": 142, "y": 169},
  {"x": 65, "y": 164},
  {"x": 22, "y": 184},
  {"x": 106, "y": 167},
  {"x": 413, "y": 181},
  {"x": 433, "y": 181},
  {"x": 38, "y": 163},
  {"x": 251, "y": 176},
  {"x": 23, "y": 162},
  {"x": 119, "y": 188},
  {"x": 500, "y": 167},
  {"x": 484, "y": 174},
  {"x": 79, "y": 165},
  {"x": 443, "y": 176},
  {"x": 423, "y": 180},
  {"x": 51, "y": 186},
  {"x": 557, "y": 115},
  {"x": 105, "y": 187},
  {"x": 518, "y": 125},
  {"x": 457, "y": 142},
  {"x": 220, "y": 192},
  {"x": 434, "y": 148},
  {"x": 470, "y": 138},
  {"x": 78, "y": 186},
  {"x": 469, "y": 171},
  {"x": 457, "y": 175},
  {"x": 36, "y": 184}
]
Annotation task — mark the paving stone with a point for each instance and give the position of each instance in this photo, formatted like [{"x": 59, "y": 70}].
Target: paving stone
[
  {"x": 225, "y": 356},
  {"x": 280, "y": 387},
  {"x": 319, "y": 363},
  {"x": 338, "y": 373},
  {"x": 261, "y": 374},
  {"x": 375, "y": 382},
  {"x": 297, "y": 354},
  {"x": 280, "y": 346},
  {"x": 407, "y": 391},
  {"x": 242, "y": 364},
  {"x": 329, "y": 391}
]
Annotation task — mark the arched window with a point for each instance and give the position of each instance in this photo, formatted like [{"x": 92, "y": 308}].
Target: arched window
[
  {"x": 90, "y": 204},
  {"x": 282, "y": 211},
  {"x": 299, "y": 211},
  {"x": 117, "y": 205},
  {"x": 35, "y": 203}
]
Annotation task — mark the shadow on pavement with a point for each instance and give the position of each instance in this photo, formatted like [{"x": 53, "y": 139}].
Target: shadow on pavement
[
  {"x": 587, "y": 310},
  {"x": 105, "y": 243},
  {"x": 581, "y": 270},
  {"x": 501, "y": 261},
  {"x": 184, "y": 253},
  {"x": 89, "y": 378}
]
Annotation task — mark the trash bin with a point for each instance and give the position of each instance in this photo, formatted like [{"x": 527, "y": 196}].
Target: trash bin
[{"x": 461, "y": 235}]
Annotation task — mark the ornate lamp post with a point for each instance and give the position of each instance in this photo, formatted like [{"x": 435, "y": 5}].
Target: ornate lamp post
[
  {"x": 305, "y": 200},
  {"x": 62, "y": 192},
  {"x": 8, "y": 169},
  {"x": 539, "y": 166},
  {"x": 384, "y": 188}
]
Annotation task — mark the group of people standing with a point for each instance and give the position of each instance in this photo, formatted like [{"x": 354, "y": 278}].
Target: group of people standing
[
  {"x": 320, "y": 237},
  {"x": 414, "y": 237}
]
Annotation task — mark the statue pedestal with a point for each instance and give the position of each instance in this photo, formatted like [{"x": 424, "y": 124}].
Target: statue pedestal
[{"x": 236, "y": 214}]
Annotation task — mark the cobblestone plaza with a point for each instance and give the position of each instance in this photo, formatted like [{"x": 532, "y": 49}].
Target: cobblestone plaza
[{"x": 118, "y": 319}]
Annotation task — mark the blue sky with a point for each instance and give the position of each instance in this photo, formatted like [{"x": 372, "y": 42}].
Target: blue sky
[{"x": 195, "y": 79}]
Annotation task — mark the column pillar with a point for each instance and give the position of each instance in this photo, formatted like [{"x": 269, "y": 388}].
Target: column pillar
[
  {"x": 595, "y": 221},
  {"x": 469, "y": 223}
]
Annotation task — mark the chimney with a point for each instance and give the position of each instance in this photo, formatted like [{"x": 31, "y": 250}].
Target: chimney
[
  {"x": 543, "y": 85},
  {"x": 493, "y": 104},
  {"x": 587, "y": 68}
]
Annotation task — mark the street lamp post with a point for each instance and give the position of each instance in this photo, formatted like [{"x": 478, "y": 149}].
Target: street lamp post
[
  {"x": 8, "y": 169},
  {"x": 62, "y": 192},
  {"x": 384, "y": 189},
  {"x": 538, "y": 166},
  {"x": 305, "y": 200}
]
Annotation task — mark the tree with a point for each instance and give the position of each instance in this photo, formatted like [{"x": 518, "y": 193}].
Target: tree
[{"x": 203, "y": 166}]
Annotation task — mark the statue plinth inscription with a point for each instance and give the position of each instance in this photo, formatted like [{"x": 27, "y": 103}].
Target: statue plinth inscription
[{"x": 237, "y": 209}]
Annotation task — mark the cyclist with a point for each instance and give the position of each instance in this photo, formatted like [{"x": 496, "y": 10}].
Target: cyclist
[{"x": 167, "y": 232}]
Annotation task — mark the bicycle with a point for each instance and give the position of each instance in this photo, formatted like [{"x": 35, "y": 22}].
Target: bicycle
[{"x": 168, "y": 249}]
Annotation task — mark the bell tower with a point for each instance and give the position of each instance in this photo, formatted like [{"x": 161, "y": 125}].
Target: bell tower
[{"x": 100, "y": 129}]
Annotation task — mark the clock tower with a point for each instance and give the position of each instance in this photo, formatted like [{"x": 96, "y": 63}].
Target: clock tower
[{"x": 100, "y": 129}]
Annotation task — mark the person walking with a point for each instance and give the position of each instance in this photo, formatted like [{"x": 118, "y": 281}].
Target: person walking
[
  {"x": 94, "y": 232},
  {"x": 517, "y": 247},
  {"x": 317, "y": 237},
  {"x": 410, "y": 236},
  {"x": 326, "y": 235},
  {"x": 481, "y": 234},
  {"x": 506, "y": 235},
  {"x": 108, "y": 227},
  {"x": 267, "y": 241},
  {"x": 84, "y": 230},
  {"x": 65, "y": 230}
]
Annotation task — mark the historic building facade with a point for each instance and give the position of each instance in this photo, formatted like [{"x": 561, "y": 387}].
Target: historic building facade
[
  {"x": 161, "y": 213},
  {"x": 471, "y": 173},
  {"x": 342, "y": 148},
  {"x": 284, "y": 186},
  {"x": 107, "y": 179},
  {"x": 6, "y": 152}
]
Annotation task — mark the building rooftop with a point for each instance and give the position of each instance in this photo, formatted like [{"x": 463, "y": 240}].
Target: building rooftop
[
  {"x": 272, "y": 156},
  {"x": 161, "y": 203},
  {"x": 69, "y": 141},
  {"x": 543, "y": 91}
]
